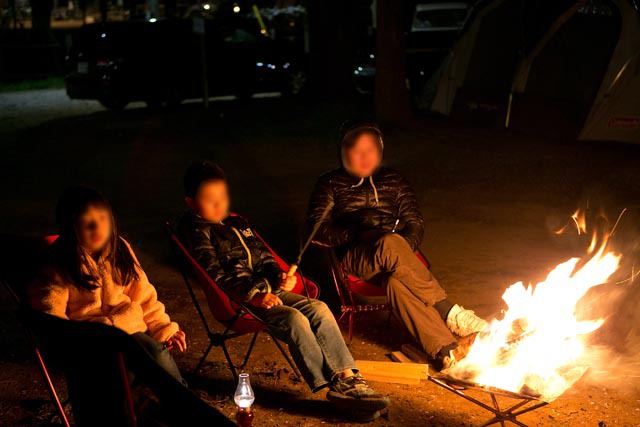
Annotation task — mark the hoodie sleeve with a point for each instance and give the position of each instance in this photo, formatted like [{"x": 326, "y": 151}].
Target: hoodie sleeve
[
  {"x": 240, "y": 285},
  {"x": 330, "y": 232},
  {"x": 409, "y": 213},
  {"x": 49, "y": 294},
  {"x": 154, "y": 315}
]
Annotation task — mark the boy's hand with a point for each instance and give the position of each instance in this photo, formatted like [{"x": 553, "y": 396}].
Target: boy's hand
[
  {"x": 287, "y": 282},
  {"x": 265, "y": 300},
  {"x": 179, "y": 339}
]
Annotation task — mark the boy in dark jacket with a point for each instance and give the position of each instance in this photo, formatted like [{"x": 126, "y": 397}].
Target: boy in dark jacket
[
  {"x": 375, "y": 227},
  {"x": 239, "y": 263}
]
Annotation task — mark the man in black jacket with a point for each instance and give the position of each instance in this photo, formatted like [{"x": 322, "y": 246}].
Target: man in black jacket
[
  {"x": 376, "y": 226},
  {"x": 243, "y": 266}
]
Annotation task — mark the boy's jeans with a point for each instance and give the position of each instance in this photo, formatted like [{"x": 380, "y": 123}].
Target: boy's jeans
[{"x": 313, "y": 336}]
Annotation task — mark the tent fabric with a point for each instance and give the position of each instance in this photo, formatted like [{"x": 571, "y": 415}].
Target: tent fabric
[
  {"x": 615, "y": 113},
  {"x": 574, "y": 61},
  {"x": 484, "y": 59}
]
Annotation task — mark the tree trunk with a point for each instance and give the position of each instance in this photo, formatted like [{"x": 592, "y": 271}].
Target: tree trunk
[
  {"x": 41, "y": 20},
  {"x": 332, "y": 46},
  {"x": 391, "y": 97}
]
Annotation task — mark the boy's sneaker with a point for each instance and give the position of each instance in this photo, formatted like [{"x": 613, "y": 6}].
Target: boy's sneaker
[
  {"x": 464, "y": 322},
  {"x": 353, "y": 394}
]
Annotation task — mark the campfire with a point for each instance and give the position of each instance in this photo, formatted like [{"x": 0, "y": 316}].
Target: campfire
[{"x": 539, "y": 347}]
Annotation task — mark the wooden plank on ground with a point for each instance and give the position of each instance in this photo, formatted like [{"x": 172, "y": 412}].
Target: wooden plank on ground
[
  {"x": 392, "y": 379},
  {"x": 400, "y": 357},
  {"x": 406, "y": 370},
  {"x": 414, "y": 353}
]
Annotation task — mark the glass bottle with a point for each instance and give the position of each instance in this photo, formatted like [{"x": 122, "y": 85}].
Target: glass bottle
[{"x": 244, "y": 398}]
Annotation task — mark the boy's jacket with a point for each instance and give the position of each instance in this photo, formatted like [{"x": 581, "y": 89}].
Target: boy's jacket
[{"x": 231, "y": 254}]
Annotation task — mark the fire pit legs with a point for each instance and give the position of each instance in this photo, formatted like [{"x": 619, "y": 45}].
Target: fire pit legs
[{"x": 501, "y": 416}]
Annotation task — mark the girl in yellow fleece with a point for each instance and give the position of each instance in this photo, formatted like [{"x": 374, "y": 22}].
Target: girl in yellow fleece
[{"x": 93, "y": 275}]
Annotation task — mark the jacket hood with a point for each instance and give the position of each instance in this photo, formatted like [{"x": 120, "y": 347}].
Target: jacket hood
[{"x": 348, "y": 131}]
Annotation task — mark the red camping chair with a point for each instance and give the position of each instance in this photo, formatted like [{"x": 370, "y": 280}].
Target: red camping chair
[
  {"x": 356, "y": 295},
  {"x": 236, "y": 317},
  {"x": 31, "y": 248},
  {"x": 22, "y": 258}
]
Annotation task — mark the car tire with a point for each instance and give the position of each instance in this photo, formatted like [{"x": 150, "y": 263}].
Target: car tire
[
  {"x": 113, "y": 103},
  {"x": 244, "y": 95},
  {"x": 295, "y": 83},
  {"x": 171, "y": 99},
  {"x": 155, "y": 103}
]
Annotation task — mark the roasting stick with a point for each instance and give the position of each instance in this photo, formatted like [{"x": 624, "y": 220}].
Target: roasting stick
[{"x": 294, "y": 267}]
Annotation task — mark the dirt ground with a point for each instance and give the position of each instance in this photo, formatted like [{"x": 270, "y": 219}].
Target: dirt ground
[{"x": 491, "y": 200}]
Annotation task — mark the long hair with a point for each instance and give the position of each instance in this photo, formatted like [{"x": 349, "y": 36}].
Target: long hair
[{"x": 67, "y": 254}]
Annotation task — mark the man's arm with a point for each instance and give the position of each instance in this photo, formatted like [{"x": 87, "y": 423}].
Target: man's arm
[
  {"x": 409, "y": 213},
  {"x": 330, "y": 232}
]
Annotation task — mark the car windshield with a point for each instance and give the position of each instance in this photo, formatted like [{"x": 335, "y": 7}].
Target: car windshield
[{"x": 439, "y": 19}]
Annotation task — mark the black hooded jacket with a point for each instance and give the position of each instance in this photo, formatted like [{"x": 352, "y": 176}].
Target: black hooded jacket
[
  {"x": 365, "y": 205},
  {"x": 230, "y": 252}
]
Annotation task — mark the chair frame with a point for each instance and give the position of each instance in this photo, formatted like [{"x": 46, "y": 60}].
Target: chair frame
[
  {"x": 348, "y": 306},
  {"x": 42, "y": 366},
  {"x": 219, "y": 339}
]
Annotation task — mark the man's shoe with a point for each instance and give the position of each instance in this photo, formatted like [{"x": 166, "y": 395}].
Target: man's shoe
[
  {"x": 457, "y": 354},
  {"x": 464, "y": 322},
  {"x": 353, "y": 394},
  {"x": 448, "y": 361}
]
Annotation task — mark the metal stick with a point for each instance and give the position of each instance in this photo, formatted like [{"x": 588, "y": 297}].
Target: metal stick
[{"x": 294, "y": 267}]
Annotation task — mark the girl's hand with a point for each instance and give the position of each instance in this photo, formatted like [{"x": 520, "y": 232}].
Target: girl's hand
[
  {"x": 179, "y": 339},
  {"x": 265, "y": 300},
  {"x": 287, "y": 283}
]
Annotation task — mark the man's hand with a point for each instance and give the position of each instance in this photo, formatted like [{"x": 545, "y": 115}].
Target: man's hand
[
  {"x": 287, "y": 282},
  {"x": 265, "y": 300},
  {"x": 179, "y": 339}
]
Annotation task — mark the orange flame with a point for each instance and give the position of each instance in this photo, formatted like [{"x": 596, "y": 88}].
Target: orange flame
[{"x": 539, "y": 343}]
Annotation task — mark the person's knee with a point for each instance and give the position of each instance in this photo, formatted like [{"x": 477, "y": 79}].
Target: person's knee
[
  {"x": 320, "y": 309},
  {"x": 392, "y": 247},
  {"x": 154, "y": 349},
  {"x": 294, "y": 319},
  {"x": 391, "y": 241}
]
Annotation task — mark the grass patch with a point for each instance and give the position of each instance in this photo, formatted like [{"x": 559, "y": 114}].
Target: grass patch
[{"x": 24, "y": 85}]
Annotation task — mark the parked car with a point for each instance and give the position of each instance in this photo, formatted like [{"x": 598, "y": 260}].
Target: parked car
[
  {"x": 159, "y": 62},
  {"x": 433, "y": 31}
]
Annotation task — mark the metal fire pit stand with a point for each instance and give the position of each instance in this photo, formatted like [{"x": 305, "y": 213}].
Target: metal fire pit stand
[{"x": 525, "y": 403}]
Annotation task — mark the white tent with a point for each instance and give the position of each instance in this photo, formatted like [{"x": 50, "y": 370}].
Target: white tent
[{"x": 594, "y": 81}]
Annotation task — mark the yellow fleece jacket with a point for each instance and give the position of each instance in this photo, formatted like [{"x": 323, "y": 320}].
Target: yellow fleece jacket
[{"x": 132, "y": 308}]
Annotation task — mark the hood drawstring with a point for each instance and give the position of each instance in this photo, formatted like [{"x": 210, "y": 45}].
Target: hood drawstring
[
  {"x": 375, "y": 190},
  {"x": 358, "y": 184}
]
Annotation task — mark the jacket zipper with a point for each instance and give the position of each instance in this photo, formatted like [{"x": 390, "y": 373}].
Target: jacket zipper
[{"x": 246, "y": 248}]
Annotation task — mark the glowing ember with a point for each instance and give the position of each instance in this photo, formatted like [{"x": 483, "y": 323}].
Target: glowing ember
[{"x": 538, "y": 347}]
